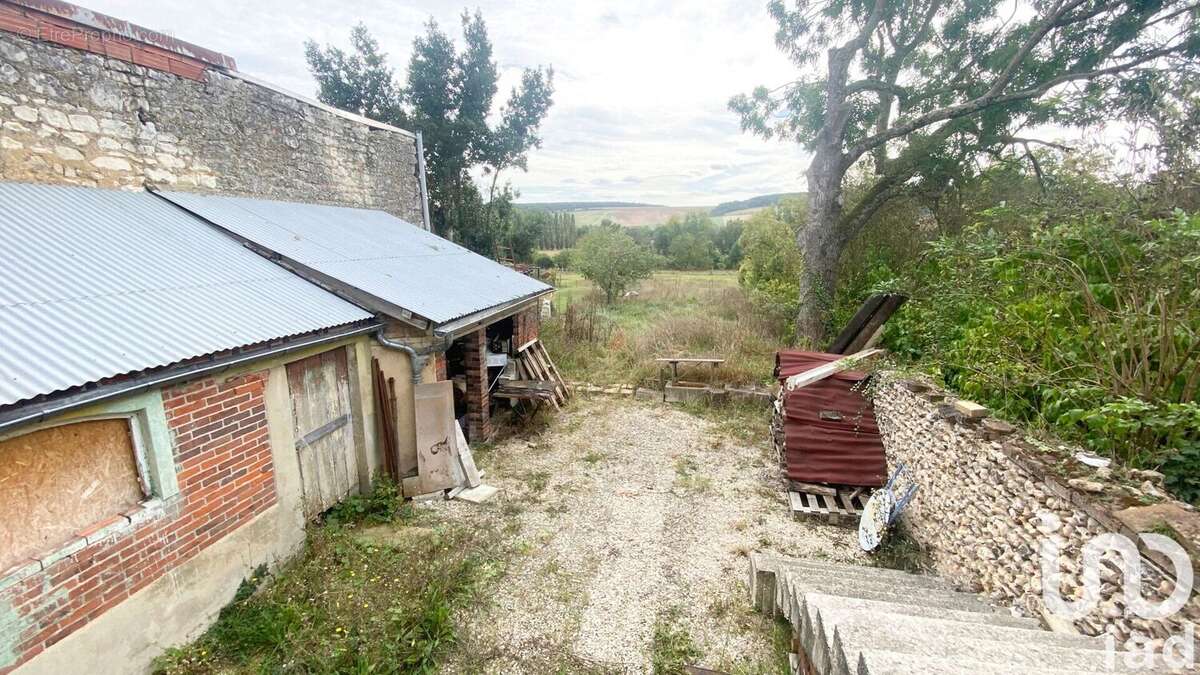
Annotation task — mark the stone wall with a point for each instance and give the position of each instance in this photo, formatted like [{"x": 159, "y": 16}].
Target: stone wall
[
  {"x": 987, "y": 498},
  {"x": 77, "y": 117}
]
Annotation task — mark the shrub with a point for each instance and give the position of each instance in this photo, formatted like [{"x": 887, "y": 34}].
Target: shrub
[
  {"x": 613, "y": 261},
  {"x": 1090, "y": 327}
]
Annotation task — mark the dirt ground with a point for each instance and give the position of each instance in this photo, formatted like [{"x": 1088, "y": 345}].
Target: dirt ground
[{"x": 631, "y": 516}]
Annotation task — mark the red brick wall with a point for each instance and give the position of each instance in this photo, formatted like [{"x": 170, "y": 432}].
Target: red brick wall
[
  {"x": 59, "y": 30},
  {"x": 226, "y": 477},
  {"x": 479, "y": 422},
  {"x": 526, "y": 326}
]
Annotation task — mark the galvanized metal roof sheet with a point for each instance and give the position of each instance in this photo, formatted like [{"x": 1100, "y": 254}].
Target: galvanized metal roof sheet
[
  {"x": 372, "y": 251},
  {"x": 100, "y": 283}
]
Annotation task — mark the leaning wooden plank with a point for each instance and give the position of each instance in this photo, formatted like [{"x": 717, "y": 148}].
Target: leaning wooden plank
[
  {"x": 854, "y": 326},
  {"x": 554, "y": 370},
  {"x": 470, "y": 471},
  {"x": 873, "y": 329},
  {"x": 819, "y": 373},
  {"x": 435, "y": 435},
  {"x": 538, "y": 352}
]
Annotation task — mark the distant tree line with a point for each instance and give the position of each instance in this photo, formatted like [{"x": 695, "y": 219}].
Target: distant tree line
[
  {"x": 557, "y": 229},
  {"x": 693, "y": 242}
]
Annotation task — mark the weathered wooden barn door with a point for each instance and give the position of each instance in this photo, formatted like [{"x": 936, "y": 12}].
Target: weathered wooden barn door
[{"x": 324, "y": 425}]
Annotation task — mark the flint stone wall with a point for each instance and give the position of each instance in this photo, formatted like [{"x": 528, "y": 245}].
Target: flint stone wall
[
  {"x": 73, "y": 117},
  {"x": 979, "y": 513}
]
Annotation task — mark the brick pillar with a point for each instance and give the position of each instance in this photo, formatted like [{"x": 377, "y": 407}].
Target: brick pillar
[{"x": 479, "y": 422}]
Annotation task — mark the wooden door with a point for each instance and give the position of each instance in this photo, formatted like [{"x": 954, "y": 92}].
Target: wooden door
[{"x": 324, "y": 427}]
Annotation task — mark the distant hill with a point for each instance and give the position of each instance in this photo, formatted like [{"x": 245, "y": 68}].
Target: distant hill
[
  {"x": 761, "y": 201},
  {"x": 579, "y": 206},
  {"x": 638, "y": 214}
]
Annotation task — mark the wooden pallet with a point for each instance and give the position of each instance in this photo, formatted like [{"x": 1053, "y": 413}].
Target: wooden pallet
[
  {"x": 840, "y": 509},
  {"x": 534, "y": 363}
]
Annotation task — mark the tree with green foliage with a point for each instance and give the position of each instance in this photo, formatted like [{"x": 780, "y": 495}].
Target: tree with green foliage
[
  {"x": 449, "y": 96},
  {"x": 612, "y": 261},
  {"x": 916, "y": 91}
]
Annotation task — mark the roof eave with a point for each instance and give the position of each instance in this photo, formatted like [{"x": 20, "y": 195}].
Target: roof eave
[
  {"x": 23, "y": 413},
  {"x": 473, "y": 321}
]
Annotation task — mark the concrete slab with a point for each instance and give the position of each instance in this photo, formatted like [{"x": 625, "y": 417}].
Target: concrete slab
[{"x": 478, "y": 495}]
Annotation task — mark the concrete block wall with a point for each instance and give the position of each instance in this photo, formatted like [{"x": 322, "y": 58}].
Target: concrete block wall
[
  {"x": 981, "y": 511},
  {"x": 85, "y": 107},
  {"x": 226, "y": 478}
]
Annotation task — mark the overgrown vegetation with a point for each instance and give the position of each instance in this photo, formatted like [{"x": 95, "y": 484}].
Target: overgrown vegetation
[
  {"x": 673, "y": 314},
  {"x": 360, "y": 599},
  {"x": 1064, "y": 300}
]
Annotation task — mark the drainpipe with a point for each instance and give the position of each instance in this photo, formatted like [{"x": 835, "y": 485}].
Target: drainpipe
[{"x": 419, "y": 356}]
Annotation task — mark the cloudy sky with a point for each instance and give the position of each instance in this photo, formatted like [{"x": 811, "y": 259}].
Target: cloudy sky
[{"x": 640, "y": 108}]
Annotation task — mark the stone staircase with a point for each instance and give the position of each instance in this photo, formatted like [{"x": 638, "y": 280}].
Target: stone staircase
[{"x": 850, "y": 620}]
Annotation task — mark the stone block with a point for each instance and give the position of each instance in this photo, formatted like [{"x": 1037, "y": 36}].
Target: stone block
[{"x": 971, "y": 410}]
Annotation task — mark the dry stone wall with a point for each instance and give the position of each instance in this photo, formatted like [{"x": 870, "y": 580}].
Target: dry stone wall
[
  {"x": 75, "y": 117},
  {"x": 986, "y": 502}
]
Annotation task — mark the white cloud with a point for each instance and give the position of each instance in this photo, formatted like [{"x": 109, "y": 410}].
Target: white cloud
[{"x": 639, "y": 110}]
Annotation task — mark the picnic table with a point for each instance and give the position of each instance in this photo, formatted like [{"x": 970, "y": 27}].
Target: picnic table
[{"x": 676, "y": 360}]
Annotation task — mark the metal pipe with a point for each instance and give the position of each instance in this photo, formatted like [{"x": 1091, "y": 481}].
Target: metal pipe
[{"x": 418, "y": 355}]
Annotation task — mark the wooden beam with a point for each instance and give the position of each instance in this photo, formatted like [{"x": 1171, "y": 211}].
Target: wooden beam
[{"x": 800, "y": 380}]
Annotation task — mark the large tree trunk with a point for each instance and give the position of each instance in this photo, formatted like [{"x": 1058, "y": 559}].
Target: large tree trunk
[{"x": 821, "y": 244}]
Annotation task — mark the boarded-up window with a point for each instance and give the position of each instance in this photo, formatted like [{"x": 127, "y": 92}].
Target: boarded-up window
[{"x": 58, "y": 481}]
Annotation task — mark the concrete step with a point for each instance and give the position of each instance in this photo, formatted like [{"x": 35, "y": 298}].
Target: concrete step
[
  {"x": 866, "y": 606},
  {"x": 774, "y": 602},
  {"x": 874, "y": 662},
  {"x": 850, "y": 572},
  {"x": 835, "y": 639}
]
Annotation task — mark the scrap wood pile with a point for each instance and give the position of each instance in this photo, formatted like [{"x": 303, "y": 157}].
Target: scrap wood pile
[
  {"x": 533, "y": 377},
  {"x": 823, "y": 427},
  {"x": 442, "y": 465}
]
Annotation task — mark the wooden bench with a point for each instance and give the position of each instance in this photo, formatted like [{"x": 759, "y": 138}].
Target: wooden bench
[{"x": 675, "y": 361}]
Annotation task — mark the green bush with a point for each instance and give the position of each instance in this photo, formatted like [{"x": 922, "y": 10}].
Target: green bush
[{"x": 1090, "y": 327}]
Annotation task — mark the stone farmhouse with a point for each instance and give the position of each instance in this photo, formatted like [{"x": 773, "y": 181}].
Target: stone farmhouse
[{"x": 200, "y": 275}]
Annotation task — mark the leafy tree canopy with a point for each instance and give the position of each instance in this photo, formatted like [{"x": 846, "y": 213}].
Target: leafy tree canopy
[
  {"x": 449, "y": 95},
  {"x": 919, "y": 90},
  {"x": 612, "y": 260}
]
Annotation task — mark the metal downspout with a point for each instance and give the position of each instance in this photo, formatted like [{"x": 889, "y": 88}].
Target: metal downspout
[{"x": 419, "y": 356}]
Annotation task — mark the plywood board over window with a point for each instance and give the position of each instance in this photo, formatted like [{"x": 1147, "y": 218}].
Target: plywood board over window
[{"x": 58, "y": 481}]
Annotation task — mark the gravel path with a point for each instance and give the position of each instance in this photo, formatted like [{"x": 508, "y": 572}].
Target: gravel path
[{"x": 628, "y": 514}]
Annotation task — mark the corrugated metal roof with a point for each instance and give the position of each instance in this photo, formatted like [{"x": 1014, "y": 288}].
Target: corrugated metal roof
[
  {"x": 829, "y": 427},
  {"x": 372, "y": 251},
  {"x": 99, "y": 283}
]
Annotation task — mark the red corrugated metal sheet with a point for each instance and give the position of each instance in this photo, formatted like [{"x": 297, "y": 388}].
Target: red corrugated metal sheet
[{"x": 830, "y": 432}]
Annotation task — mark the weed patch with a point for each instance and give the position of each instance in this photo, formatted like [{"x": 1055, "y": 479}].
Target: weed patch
[
  {"x": 672, "y": 648},
  {"x": 348, "y": 604}
]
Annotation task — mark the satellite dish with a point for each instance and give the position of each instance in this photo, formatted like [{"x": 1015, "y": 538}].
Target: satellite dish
[{"x": 875, "y": 518}]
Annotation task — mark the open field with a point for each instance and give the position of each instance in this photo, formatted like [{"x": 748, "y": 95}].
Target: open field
[
  {"x": 673, "y": 314},
  {"x": 635, "y": 216}
]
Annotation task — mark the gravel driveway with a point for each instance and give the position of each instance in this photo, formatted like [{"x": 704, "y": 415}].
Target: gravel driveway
[{"x": 627, "y": 516}]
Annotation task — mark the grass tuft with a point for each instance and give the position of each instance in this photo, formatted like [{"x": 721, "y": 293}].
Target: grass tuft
[{"x": 354, "y": 603}]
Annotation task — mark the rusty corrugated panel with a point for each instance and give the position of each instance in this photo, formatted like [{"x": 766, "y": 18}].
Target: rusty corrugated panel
[{"x": 830, "y": 431}]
